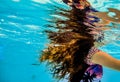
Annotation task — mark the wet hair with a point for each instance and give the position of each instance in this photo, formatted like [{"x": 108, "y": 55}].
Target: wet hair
[
  {"x": 76, "y": 1},
  {"x": 69, "y": 45},
  {"x": 65, "y": 1}
]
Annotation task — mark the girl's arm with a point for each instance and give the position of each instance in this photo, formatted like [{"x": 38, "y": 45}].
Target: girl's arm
[{"x": 105, "y": 59}]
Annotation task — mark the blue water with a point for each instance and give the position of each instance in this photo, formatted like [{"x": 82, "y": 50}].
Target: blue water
[{"x": 22, "y": 38}]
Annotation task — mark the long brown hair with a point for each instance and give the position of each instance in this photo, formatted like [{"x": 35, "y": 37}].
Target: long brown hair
[{"x": 69, "y": 45}]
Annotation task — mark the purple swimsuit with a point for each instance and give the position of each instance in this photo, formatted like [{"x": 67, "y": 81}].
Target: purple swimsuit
[{"x": 94, "y": 71}]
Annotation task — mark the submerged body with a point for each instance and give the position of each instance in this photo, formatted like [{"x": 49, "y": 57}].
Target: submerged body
[{"x": 75, "y": 54}]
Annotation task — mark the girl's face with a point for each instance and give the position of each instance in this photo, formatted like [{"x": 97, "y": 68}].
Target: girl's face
[{"x": 80, "y": 4}]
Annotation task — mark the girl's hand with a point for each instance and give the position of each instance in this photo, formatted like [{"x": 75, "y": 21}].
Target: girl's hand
[{"x": 105, "y": 59}]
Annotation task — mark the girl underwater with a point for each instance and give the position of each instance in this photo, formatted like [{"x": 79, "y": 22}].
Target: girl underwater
[{"x": 72, "y": 51}]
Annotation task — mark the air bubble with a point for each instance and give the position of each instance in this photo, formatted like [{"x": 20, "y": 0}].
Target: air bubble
[{"x": 2, "y": 20}]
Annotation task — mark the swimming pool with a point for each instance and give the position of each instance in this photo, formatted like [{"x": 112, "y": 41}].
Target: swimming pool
[{"x": 22, "y": 38}]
